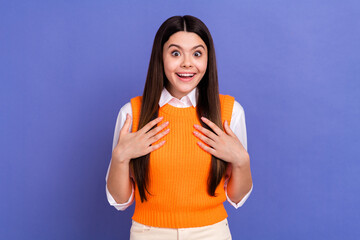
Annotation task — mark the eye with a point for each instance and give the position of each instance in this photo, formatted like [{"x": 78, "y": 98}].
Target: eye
[
  {"x": 175, "y": 53},
  {"x": 197, "y": 54}
]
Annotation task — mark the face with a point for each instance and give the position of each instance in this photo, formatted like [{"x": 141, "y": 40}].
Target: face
[{"x": 185, "y": 57}]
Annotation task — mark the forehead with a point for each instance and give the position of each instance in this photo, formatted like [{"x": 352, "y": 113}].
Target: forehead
[{"x": 186, "y": 40}]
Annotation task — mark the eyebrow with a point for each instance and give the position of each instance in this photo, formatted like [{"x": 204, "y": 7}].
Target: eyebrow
[{"x": 175, "y": 45}]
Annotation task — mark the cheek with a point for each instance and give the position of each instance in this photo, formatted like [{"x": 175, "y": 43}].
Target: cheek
[
  {"x": 170, "y": 65},
  {"x": 169, "y": 70},
  {"x": 202, "y": 66}
]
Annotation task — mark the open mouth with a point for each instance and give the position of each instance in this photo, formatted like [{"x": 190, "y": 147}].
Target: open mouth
[{"x": 185, "y": 76}]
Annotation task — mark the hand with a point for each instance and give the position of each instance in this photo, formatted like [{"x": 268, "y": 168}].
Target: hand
[
  {"x": 223, "y": 145},
  {"x": 135, "y": 144}
]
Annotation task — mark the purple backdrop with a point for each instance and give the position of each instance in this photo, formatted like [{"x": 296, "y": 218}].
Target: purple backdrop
[{"x": 66, "y": 68}]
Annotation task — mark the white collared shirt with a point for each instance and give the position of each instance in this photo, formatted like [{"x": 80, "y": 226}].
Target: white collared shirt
[{"x": 237, "y": 125}]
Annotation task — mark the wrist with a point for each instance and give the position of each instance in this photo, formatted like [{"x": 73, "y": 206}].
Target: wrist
[
  {"x": 120, "y": 156},
  {"x": 121, "y": 160},
  {"x": 241, "y": 162}
]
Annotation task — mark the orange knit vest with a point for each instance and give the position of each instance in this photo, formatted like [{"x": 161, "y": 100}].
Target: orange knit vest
[{"x": 178, "y": 173}]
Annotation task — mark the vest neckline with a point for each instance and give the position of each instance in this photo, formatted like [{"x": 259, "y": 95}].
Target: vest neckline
[{"x": 187, "y": 112}]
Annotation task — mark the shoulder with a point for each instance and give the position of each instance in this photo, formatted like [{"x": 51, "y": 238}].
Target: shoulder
[
  {"x": 237, "y": 108},
  {"x": 226, "y": 101},
  {"x": 125, "y": 109},
  {"x": 228, "y": 98},
  {"x": 136, "y": 100},
  {"x": 224, "y": 97}
]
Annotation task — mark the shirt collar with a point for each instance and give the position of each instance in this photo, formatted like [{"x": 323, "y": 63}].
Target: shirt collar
[{"x": 187, "y": 101}]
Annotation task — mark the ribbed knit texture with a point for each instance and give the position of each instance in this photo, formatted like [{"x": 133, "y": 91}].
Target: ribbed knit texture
[{"x": 178, "y": 173}]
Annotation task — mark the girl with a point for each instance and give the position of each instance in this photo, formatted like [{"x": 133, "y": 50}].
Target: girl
[{"x": 178, "y": 152}]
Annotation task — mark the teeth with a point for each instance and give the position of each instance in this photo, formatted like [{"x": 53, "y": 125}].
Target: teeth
[{"x": 186, "y": 75}]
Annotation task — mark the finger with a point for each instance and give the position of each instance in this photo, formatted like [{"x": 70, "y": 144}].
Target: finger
[
  {"x": 206, "y": 132},
  {"x": 207, "y": 149},
  {"x": 156, "y": 146},
  {"x": 206, "y": 140},
  {"x": 154, "y": 131},
  {"x": 228, "y": 129},
  {"x": 158, "y": 136},
  {"x": 212, "y": 125},
  {"x": 126, "y": 125},
  {"x": 152, "y": 123}
]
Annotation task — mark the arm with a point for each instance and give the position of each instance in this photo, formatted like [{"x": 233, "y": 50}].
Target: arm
[
  {"x": 238, "y": 184},
  {"x": 127, "y": 146},
  {"x": 119, "y": 184},
  {"x": 227, "y": 146},
  {"x": 118, "y": 176}
]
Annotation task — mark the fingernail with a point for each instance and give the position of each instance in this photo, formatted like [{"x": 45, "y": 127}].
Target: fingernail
[{"x": 161, "y": 117}]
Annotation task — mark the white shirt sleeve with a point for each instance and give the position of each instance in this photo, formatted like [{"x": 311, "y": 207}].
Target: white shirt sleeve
[
  {"x": 238, "y": 126},
  {"x": 119, "y": 124}
]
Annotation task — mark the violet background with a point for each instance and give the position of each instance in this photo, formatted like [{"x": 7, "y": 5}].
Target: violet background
[{"x": 67, "y": 67}]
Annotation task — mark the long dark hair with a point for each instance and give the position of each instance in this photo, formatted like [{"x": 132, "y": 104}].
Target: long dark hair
[{"x": 208, "y": 102}]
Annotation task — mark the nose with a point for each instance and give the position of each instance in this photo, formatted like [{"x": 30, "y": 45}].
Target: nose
[{"x": 186, "y": 61}]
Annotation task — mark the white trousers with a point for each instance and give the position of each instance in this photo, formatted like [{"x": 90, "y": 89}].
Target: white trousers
[{"x": 217, "y": 231}]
